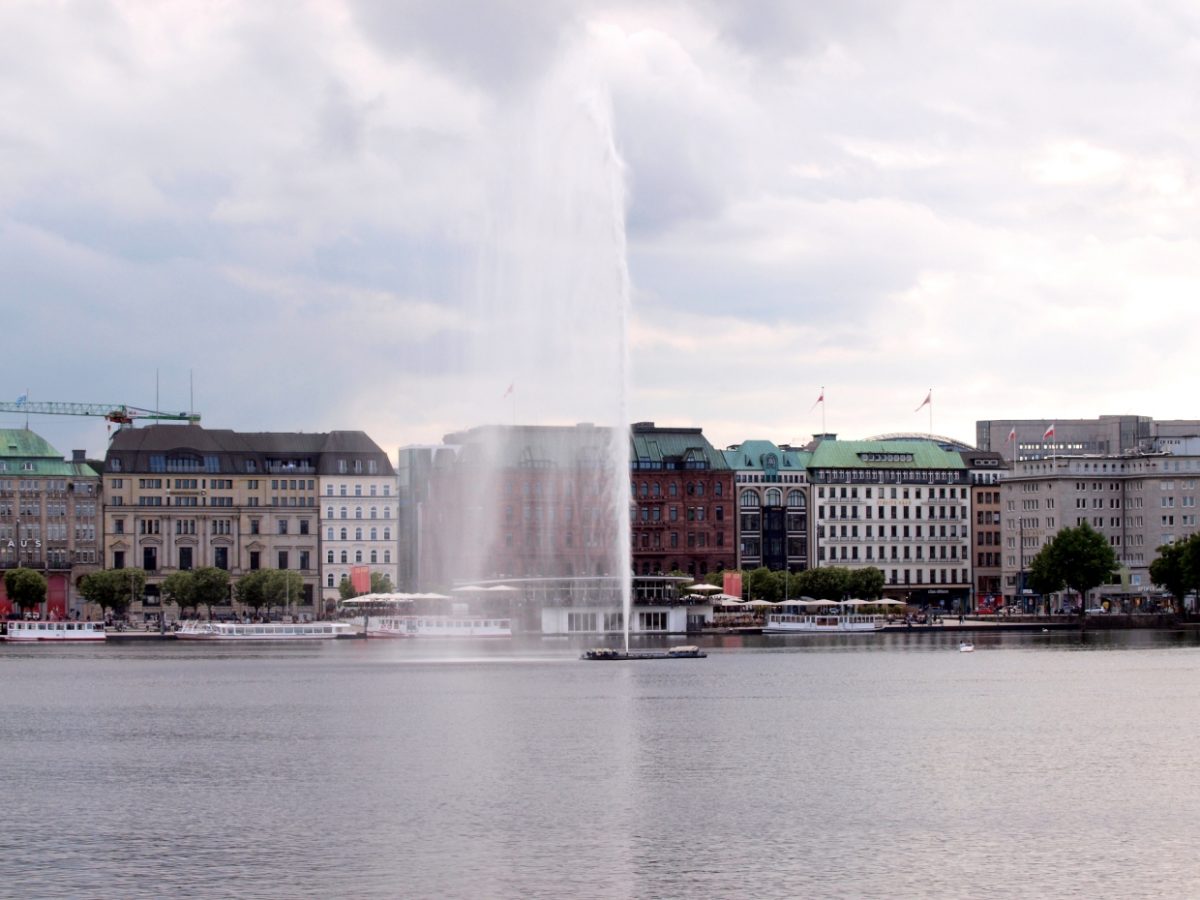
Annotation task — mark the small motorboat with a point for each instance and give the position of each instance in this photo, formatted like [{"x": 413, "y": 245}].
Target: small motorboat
[{"x": 966, "y": 647}]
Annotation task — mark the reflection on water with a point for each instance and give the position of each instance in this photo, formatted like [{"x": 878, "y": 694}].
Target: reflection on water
[{"x": 877, "y": 765}]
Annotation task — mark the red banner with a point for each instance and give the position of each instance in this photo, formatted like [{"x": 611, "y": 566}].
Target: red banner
[
  {"x": 733, "y": 584},
  {"x": 360, "y": 579}
]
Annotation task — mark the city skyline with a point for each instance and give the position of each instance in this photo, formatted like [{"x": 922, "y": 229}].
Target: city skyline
[{"x": 864, "y": 204}]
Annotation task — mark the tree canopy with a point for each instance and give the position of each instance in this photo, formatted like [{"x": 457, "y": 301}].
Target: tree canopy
[
  {"x": 1177, "y": 568},
  {"x": 113, "y": 589},
  {"x": 25, "y": 587},
  {"x": 1078, "y": 558}
]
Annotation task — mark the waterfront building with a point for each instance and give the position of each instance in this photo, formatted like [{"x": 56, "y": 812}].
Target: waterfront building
[
  {"x": 899, "y": 505},
  {"x": 1028, "y": 439},
  {"x": 49, "y": 517},
  {"x": 359, "y": 511},
  {"x": 178, "y": 497},
  {"x": 682, "y": 505},
  {"x": 414, "y": 476},
  {"x": 772, "y": 505},
  {"x": 986, "y": 470},
  {"x": 1138, "y": 502},
  {"x": 520, "y": 501}
]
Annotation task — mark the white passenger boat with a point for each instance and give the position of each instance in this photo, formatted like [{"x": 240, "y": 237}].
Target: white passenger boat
[
  {"x": 438, "y": 626},
  {"x": 261, "y": 631},
  {"x": 24, "y": 631},
  {"x": 831, "y": 623}
]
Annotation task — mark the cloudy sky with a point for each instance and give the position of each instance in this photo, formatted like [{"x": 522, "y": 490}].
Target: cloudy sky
[{"x": 379, "y": 215}]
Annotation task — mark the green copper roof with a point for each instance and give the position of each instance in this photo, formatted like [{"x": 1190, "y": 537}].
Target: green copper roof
[
  {"x": 22, "y": 443},
  {"x": 24, "y": 453},
  {"x": 655, "y": 446},
  {"x": 756, "y": 456},
  {"x": 883, "y": 455}
]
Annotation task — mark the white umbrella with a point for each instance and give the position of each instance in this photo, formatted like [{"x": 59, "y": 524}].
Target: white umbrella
[
  {"x": 503, "y": 588},
  {"x": 468, "y": 588},
  {"x": 701, "y": 588}
]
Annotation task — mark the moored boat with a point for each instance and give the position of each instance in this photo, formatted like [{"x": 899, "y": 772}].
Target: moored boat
[
  {"x": 611, "y": 653},
  {"x": 262, "y": 631},
  {"x": 25, "y": 631},
  {"x": 438, "y": 627},
  {"x": 831, "y": 623}
]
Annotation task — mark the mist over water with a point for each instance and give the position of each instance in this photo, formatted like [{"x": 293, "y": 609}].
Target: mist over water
[{"x": 549, "y": 346}]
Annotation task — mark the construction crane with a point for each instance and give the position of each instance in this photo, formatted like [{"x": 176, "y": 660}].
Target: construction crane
[{"x": 117, "y": 413}]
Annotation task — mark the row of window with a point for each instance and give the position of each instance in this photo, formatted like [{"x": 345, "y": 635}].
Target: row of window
[{"x": 655, "y": 489}]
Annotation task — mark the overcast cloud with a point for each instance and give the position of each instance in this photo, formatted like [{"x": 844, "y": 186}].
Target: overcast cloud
[{"x": 303, "y": 204}]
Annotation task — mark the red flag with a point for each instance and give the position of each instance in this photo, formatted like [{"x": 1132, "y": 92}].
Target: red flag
[
  {"x": 1012, "y": 436},
  {"x": 509, "y": 391},
  {"x": 820, "y": 399},
  {"x": 924, "y": 403},
  {"x": 1049, "y": 433}
]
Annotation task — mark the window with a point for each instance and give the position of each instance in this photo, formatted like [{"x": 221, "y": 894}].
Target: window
[
  {"x": 283, "y": 560},
  {"x": 304, "y": 566},
  {"x": 304, "y": 526},
  {"x": 282, "y": 529},
  {"x": 329, "y": 559}
]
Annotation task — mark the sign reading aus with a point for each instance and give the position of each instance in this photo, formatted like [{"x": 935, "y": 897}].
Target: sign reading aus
[{"x": 26, "y": 543}]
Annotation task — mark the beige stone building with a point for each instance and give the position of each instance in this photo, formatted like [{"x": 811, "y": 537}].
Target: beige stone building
[{"x": 178, "y": 497}]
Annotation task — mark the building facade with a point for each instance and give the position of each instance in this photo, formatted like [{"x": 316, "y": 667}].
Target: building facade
[
  {"x": 1031, "y": 439},
  {"x": 772, "y": 505},
  {"x": 682, "y": 512},
  {"x": 986, "y": 469},
  {"x": 49, "y": 518},
  {"x": 900, "y": 506},
  {"x": 1136, "y": 502},
  {"x": 179, "y": 497}
]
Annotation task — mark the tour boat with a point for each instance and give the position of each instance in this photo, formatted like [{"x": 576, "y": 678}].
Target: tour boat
[
  {"x": 438, "y": 626},
  {"x": 262, "y": 631},
  {"x": 24, "y": 631},
  {"x": 831, "y": 623}
]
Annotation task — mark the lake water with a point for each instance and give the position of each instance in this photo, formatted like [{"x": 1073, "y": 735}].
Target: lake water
[{"x": 871, "y": 766}]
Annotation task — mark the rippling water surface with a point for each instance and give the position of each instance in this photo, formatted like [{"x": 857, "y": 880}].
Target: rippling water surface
[{"x": 874, "y": 766}]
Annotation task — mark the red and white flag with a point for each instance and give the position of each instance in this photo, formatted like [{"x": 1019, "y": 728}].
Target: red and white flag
[
  {"x": 509, "y": 391},
  {"x": 924, "y": 403},
  {"x": 1012, "y": 436},
  {"x": 1048, "y": 433},
  {"x": 819, "y": 400}
]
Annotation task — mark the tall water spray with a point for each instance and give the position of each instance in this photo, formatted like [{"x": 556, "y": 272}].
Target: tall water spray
[{"x": 550, "y": 358}]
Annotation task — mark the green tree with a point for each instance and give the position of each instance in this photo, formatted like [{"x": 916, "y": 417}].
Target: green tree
[
  {"x": 251, "y": 590},
  {"x": 26, "y": 587},
  {"x": 113, "y": 590},
  {"x": 1078, "y": 558},
  {"x": 283, "y": 588},
  {"x": 825, "y": 583},
  {"x": 345, "y": 589},
  {"x": 178, "y": 589},
  {"x": 763, "y": 584},
  {"x": 866, "y": 583},
  {"x": 210, "y": 587},
  {"x": 381, "y": 583},
  {"x": 1177, "y": 568}
]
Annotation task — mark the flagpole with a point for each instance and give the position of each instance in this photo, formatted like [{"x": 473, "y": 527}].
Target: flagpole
[
  {"x": 931, "y": 412},
  {"x": 823, "y": 431}
]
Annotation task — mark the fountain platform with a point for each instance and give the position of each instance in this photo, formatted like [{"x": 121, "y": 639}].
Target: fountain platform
[{"x": 610, "y": 653}]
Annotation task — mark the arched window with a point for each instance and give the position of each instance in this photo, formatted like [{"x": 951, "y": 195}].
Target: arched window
[
  {"x": 374, "y": 534},
  {"x": 374, "y": 513},
  {"x": 673, "y": 489},
  {"x": 387, "y": 534},
  {"x": 774, "y": 497},
  {"x": 343, "y": 512},
  {"x": 699, "y": 488},
  {"x": 656, "y": 489},
  {"x": 644, "y": 490},
  {"x": 329, "y": 558},
  {"x": 387, "y": 512},
  {"x": 358, "y": 512},
  {"x": 329, "y": 512},
  {"x": 343, "y": 534},
  {"x": 329, "y": 580},
  {"x": 749, "y": 499},
  {"x": 358, "y": 534},
  {"x": 358, "y": 556},
  {"x": 387, "y": 556},
  {"x": 374, "y": 556},
  {"x": 329, "y": 534},
  {"x": 344, "y": 560},
  {"x": 795, "y": 498},
  {"x": 717, "y": 489}
]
